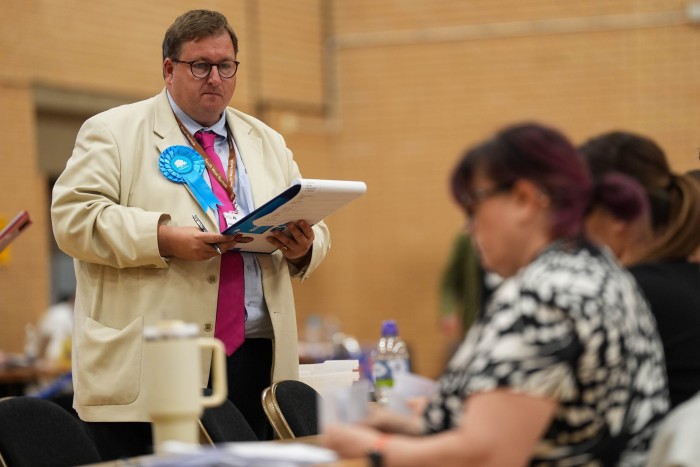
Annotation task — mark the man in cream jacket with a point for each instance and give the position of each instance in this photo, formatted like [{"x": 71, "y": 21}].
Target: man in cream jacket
[{"x": 139, "y": 258}]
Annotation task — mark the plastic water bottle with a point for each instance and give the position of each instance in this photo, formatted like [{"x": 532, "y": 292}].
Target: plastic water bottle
[{"x": 390, "y": 358}]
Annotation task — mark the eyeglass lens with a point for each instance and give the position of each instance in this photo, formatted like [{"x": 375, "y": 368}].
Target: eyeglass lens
[{"x": 226, "y": 69}]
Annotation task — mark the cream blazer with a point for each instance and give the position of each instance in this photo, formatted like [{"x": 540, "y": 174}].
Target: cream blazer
[{"x": 105, "y": 211}]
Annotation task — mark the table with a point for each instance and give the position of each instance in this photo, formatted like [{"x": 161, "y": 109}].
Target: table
[
  {"x": 15, "y": 379},
  {"x": 313, "y": 440}
]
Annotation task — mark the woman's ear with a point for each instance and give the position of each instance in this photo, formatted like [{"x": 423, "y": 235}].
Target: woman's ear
[
  {"x": 529, "y": 196},
  {"x": 605, "y": 229},
  {"x": 531, "y": 206}
]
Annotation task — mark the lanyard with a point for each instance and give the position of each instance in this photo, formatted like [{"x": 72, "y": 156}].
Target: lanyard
[{"x": 225, "y": 182}]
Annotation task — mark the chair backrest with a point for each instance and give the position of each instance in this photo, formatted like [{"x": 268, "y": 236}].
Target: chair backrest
[
  {"x": 676, "y": 440},
  {"x": 292, "y": 408},
  {"x": 39, "y": 432},
  {"x": 224, "y": 424}
]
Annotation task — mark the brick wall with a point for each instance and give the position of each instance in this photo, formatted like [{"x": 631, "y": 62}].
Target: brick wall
[{"x": 381, "y": 91}]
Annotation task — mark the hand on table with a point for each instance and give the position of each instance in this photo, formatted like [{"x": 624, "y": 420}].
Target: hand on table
[
  {"x": 350, "y": 441},
  {"x": 392, "y": 422}
]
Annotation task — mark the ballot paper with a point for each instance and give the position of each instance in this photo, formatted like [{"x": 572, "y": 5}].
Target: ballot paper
[{"x": 268, "y": 454}]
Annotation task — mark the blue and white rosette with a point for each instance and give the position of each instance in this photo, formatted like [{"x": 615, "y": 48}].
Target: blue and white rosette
[{"x": 182, "y": 164}]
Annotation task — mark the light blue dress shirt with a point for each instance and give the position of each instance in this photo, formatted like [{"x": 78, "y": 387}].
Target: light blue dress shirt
[{"x": 258, "y": 322}]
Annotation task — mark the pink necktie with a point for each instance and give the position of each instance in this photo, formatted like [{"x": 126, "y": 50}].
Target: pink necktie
[{"x": 230, "y": 310}]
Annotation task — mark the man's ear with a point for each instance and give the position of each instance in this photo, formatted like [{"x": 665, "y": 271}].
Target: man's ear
[{"x": 167, "y": 69}]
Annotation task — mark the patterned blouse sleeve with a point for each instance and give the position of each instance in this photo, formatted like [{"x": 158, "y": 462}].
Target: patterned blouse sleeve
[{"x": 529, "y": 346}]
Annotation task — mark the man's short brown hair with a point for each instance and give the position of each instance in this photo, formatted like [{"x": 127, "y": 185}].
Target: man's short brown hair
[{"x": 192, "y": 25}]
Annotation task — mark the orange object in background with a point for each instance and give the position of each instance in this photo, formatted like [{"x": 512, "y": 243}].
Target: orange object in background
[{"x": 10, "y": 231}]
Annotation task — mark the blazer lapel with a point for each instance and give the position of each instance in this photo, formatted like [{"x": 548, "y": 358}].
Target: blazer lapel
[
  {"x": 164, "y": 125},
  {"x": 249, "y": 146},
  {"x": 250, "y": 149},
  {"x": 168, "y": 134}
]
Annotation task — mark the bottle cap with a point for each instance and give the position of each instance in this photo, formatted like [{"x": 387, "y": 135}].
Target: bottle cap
[{"x": 390, "y": 328}]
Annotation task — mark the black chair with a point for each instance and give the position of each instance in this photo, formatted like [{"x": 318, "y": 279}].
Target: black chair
[
  {"x": 36, "y": 432},
  {"x": 224, "y": 424},
  {"x": 292, "y": 408}
]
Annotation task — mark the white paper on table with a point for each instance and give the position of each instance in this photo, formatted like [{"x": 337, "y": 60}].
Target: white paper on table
[
  {"x": 408, "y": 386},
  {"x": 329, "y": 366},
  {"x": 344, "y": 405},
  {"x": 268, "y": 454}
]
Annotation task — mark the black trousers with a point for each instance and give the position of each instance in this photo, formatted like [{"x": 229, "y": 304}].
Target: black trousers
[{"x": 249, "y": 372}]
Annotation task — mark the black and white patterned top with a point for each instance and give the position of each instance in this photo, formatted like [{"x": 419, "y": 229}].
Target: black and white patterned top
[{"x": 571, "y": 326}]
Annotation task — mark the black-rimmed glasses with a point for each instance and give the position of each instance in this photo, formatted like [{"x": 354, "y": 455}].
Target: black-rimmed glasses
[
  {"x": 201, "y": 69},
  {"x": 469, "y": 201}
]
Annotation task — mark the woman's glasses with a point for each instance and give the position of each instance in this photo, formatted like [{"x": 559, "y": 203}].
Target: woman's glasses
[{"x": 469, "y": 200}]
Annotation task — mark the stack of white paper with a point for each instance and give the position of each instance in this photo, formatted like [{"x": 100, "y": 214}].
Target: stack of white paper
[
  {"x": 330, "y": 375},
  {"x": 269, "y": 454}
]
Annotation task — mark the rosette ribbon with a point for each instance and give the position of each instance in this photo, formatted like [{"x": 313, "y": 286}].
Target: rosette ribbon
[{"x": 182, "y": 164}]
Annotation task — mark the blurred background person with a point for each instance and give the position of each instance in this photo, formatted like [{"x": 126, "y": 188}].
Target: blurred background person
[
  {"x": 49, "y": 348},
  {"x": 657, "y": 251},
  {"x": 464, "y": 288},
  {"x": 460, "y": 289},
  {"x": 54, "y": 333},
  {"x": 565, "y": 367}
]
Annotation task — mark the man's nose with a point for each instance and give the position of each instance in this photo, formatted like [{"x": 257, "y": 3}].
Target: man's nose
[{"x": 214, "y": 77}]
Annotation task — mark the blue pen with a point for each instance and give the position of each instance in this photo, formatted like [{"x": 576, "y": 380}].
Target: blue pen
[{"x": 204, "y": 229}]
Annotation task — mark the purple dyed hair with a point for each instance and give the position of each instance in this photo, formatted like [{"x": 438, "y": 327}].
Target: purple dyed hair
[
  {"x": 541, "y": 155},
  {"x": 621, "y": 195}
]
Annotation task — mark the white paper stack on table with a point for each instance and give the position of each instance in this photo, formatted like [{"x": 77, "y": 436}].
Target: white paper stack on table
[
  {"x": 330, "y": 375},
  {"x": 408, "y": 386},
  {"x": 256, "y": 453},
  {"x": 343, "y": 397}
]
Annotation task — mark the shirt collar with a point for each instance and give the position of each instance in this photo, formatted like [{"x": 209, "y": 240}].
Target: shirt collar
[{"x": 219, "y": 127}]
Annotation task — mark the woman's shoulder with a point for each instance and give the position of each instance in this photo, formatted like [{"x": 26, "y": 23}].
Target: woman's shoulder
[
  {"x": 672, "y": 288},
  {"x": 669, "y": 278},
  {"x": 569, "y": 267},
  {"x": 665, "y": 270}
]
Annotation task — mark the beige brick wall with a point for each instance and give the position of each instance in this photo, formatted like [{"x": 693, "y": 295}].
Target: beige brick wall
[
  {"x": 419, "y": 81},
  {"x": 382, "y": 91},
  {"x": 24, "y": 276}
]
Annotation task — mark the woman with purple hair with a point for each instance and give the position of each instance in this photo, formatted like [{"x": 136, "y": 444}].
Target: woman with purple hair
[{"x": 564, "y": 366}]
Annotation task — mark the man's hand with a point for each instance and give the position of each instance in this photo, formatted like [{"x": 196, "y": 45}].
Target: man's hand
[
  {"x": 191, "y": 243},
  {"x": 296, "y": 244}
]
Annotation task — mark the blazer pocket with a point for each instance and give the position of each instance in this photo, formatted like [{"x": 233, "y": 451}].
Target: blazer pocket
[{"x": 109, "y": 363}]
